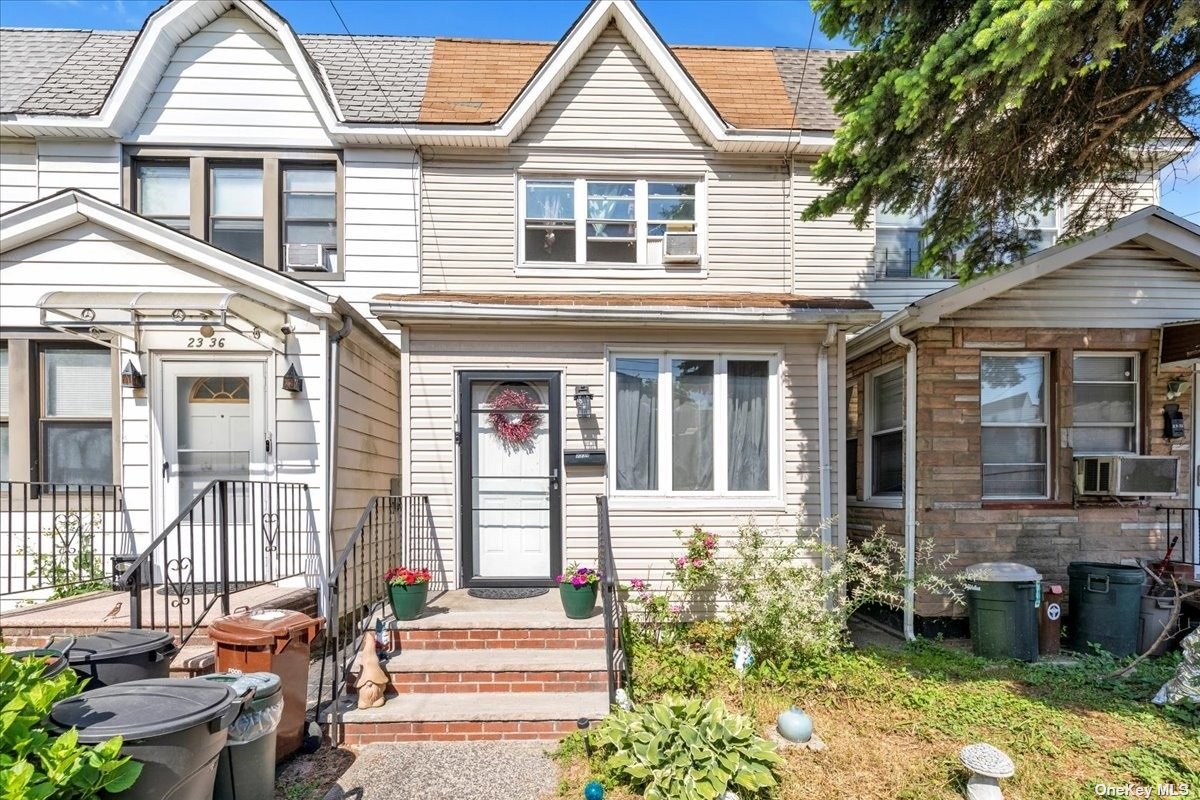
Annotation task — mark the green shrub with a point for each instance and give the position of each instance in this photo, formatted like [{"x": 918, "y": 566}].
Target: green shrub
[
  {"x": 687, "y": 750},
  {"x": 34, "y": 765}
]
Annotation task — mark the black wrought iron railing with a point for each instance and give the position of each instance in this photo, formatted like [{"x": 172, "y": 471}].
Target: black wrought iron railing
[
  {"x": 1183, "y": 530},
  {"x": 392, "y": 531},
  {"x": 232, "y": 536},
  {"x": 59, "y": 539},
  {"x": 617, "y": 664}
]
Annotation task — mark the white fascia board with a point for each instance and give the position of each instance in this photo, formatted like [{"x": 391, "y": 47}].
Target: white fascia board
[
  {"x": 403, "y": 312},
  {"x": 58, "y": 212}
]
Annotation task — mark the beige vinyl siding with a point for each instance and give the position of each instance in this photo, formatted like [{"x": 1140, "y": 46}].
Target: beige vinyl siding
[
  {"x": 469, "y": 223},
  {"x": 91, "y": 166},
  {"x": 380, "y": 227},
  {"x": 91, "y": 257},
  {"x": 642, "y": 531},
  {"x": 368, "y": 445},
  {"x": 18, "y": 173},
  {"x": 611, "y": 99},
  {"x": 230, "y": 83},
  {"x": 1125, "y": 287}
]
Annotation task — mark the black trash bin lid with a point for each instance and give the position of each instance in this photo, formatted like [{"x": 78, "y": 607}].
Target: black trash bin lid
[
  {"x": 117, "y": 644},
  {"x": 142, "y": 709}
]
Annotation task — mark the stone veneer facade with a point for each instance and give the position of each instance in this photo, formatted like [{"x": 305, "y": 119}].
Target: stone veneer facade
[{"x": 1046, "y": 534}]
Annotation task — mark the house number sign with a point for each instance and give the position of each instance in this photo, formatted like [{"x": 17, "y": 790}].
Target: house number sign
[{"x": 205, "y": 342}]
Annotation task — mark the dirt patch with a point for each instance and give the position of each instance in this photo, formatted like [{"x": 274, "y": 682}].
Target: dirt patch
[{"x": 309, "y": 776}]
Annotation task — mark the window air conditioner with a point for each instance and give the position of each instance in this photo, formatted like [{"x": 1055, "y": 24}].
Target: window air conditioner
[
  {"x": 681, "y": 247},
  {"x": 305, "y": 257},
  {"x": 1127, "y": 476}
]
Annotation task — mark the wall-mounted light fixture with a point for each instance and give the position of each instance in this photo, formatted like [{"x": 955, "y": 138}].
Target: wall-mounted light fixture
[
  {"x": 1175, "y": 388},
  {"x": 292, "y": 382},
  {"x": 583, "y": 402},
  {"x": 131, "y": 378}
]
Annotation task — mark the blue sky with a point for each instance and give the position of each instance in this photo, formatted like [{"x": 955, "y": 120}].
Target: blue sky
[{"x": 737, "y": 22}]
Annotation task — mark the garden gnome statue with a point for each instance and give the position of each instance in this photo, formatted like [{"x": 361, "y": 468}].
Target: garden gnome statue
[
  {"x": 987, "y": 765},
  {"x": 371, "y": 678},
  {"x": 1184, "y": 686}
]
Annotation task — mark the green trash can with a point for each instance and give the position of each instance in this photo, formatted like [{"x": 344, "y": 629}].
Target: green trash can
[
  {"x": 1106, "y": 604},
  {"x": 246, "y": 769},
  {"x": 1002, "y": 606}
]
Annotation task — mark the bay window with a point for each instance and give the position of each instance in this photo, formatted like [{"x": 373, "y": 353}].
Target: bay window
[
  {"x": 609, "y": 221},
  {"x": 1106, "y": 392},
  {"x": 885, "y": 424},
  {"x": 695, "y": 424},
  {"x": 1015, "y": 430}
]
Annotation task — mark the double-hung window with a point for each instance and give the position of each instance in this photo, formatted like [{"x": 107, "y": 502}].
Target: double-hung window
[
  {"x": 310, "y": 217},
  {"x": 75, "y": 435},
  {"x": 1014, "y": 417},
  {"x": 235, "y": 212},
  {"x": 610, "y": 221},
  {"x": 695, "y": 424},
  {"x": 164, "y": 192},
  {"x": 885, "y": 421},
  {"x": 1106, "y": 391}
]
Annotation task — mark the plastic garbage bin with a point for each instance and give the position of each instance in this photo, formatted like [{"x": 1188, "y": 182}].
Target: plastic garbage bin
[
  {"x": 175, "y": 728},
  {"x": 1105, "y": 605},
  {"x": 122, "y": 655},
  {"x": 1002, "y": 608},
  {"x": 271, "y": 640},
  {"x": 1153, "y": 618},
  {"x": 246, "y": 768},
  {"x": 54, "y": 656}
]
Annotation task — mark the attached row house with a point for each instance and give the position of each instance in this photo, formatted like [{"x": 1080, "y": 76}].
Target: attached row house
[{"x": 494, "y": 280}]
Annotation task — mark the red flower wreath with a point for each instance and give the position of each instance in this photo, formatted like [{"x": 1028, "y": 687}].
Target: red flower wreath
[{"x": 513, "y": 432}]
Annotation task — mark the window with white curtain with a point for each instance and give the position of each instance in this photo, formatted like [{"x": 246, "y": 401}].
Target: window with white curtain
[
  {"x": 75, "y": 434},
  {"x": 885, "y": 422},
  {"x": 1014, "y": 418},
  {"x": 695, "y": 424},
  {"x": 1105, "y": 406}
]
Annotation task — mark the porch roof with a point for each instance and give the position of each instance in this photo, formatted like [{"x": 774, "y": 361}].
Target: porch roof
[{"x": 688, "y": 308}]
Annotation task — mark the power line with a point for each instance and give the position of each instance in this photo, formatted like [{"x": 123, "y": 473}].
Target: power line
[{"x": 800, "y": 86}]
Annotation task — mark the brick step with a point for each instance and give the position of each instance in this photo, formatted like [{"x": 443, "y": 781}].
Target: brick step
[
  {"x": 194, "y": 660},
  {"x": 462, "y": 717},
  {"x": 529, "y": 670},
  {"x": 408, "y": 639}
]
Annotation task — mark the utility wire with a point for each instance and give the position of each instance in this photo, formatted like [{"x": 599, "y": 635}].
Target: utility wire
[{"x": 799, "y": 86}]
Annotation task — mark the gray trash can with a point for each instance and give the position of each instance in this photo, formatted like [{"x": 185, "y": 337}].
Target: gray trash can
[
  {"x": 1002, "y": 607},
  {"x": 1156, "y": 613},
  {"x": 122, "y": 655},
  {"x": 176, "y": 729},
  {"x": 246, "y": 769}
]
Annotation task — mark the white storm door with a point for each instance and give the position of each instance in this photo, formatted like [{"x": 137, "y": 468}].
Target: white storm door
[
  {"x": 511, "y": 488},
  {"x": 214, "y": 426}
]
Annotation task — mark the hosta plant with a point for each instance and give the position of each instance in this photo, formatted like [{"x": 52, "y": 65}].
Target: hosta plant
[{"x": 687, "y": 750}]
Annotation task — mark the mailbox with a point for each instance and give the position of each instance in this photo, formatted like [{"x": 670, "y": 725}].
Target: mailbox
[{"x": 584, "y": 458}]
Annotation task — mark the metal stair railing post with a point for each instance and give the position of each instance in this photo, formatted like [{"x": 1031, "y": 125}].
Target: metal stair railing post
[
  {"x": 223, "y": 544},
  {"x": 616, "y": 663}
]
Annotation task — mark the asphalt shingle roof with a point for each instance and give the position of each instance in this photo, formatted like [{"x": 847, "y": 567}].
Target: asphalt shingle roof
[{"x": 381, "y": 79}]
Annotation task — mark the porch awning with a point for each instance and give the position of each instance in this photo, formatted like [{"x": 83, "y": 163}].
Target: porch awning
[
  {"x": 104, "y": 315},
  {"x": 1180, "y": 344}
]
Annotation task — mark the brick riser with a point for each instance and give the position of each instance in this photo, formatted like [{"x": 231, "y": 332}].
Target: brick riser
[
  {"x": 523, "y": 681},
  {"x": 369, "y": 732},
  {"x": 498, "y": 639}
]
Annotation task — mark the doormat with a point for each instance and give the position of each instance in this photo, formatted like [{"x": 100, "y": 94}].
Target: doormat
[{"x": 506, "y": 593}]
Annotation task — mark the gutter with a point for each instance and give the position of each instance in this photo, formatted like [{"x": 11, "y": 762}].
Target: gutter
[
  {"x": 910, "y": 475},
  {"x": 823, "y": 423},
  {"x": 333, "y": 371}
]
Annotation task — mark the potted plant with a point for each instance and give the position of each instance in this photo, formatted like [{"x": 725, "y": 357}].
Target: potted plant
[
  {"x": 408, "y": 589},
  {"x": 578, "y": 588}
]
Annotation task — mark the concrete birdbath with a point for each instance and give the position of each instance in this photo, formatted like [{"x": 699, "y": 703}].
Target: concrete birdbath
[{"x": 988, "y": 765}]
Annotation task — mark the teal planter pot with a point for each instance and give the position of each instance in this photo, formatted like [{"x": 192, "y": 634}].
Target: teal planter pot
[
  {"x": 578, "y": 601},
  {"x": 408, "y": 601}
]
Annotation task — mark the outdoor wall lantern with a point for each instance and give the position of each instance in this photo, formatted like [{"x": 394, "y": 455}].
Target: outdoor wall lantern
[
  {"x": 292, "y": 382},
  {"x": 1175, "y": 388},
  {"x": 583, "y": 402},
  {"x": 131, "y": 378}
]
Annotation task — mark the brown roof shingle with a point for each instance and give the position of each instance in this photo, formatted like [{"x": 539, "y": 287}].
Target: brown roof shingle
[{"x": 475, "y": 81}]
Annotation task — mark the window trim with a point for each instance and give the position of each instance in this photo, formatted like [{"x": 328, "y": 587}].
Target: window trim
[
  {"x": 1047, "y": 423},
  {"x": 868, "y": 433},
  {"x": 720, "y": 356},
  {"x": 273, "y": 163},
  {"x": 1137, "y": 400},
  {"x": 581, "y": 267}
]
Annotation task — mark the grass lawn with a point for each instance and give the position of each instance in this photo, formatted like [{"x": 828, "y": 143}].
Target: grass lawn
[{"x": 893, "y": 721}]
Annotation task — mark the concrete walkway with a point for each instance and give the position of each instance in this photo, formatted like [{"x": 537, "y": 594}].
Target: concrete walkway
[{"x": 448, "y": 771}]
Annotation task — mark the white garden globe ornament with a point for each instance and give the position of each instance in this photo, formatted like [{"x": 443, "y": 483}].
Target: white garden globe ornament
[{"x": 988, "y": 765}]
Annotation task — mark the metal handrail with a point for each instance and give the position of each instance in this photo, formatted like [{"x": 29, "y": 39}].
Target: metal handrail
[
  {"x": 616, "y": 662},
  {"x": 128, "y": 569},
  {"x": 1187, "y": 551}
]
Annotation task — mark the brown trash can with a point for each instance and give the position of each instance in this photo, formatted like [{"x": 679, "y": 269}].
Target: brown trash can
[{"x": 272, "y": 640}]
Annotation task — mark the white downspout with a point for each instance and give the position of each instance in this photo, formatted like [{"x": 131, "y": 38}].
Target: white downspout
[
  {"x": 333, "y": 374},
  {"x": 910, "y": 475},
  {"x": 823, "y": 423}
]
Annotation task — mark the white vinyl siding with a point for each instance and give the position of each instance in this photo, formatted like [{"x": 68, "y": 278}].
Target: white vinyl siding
[
  {"x": 92, "y": 166},
  {"x": 230, "y": 83},
  {"x": 18, "y": 173}
]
